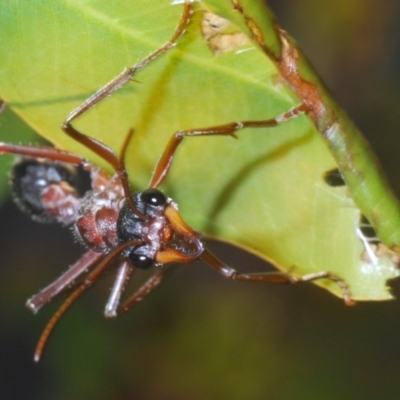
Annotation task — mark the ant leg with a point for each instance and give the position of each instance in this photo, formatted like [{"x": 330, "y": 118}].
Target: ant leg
[
  {"x": 275, "y": 277},
  {"x": 123, "y": 275},
  {"x": 88, "y": 282},
  {"x": 164, "y": 163},
  {"x": 45, "y": 152},
  {"x": 126, "y": 75},
  {"x": 145, "y": 289},
  {"x": 42, "y": 152},
  {"x": 99, "y": 148},
  {"x": 36, "y": 302}
]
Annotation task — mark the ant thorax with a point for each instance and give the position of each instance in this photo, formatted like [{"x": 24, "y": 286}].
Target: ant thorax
[{"x": 97, "y": 214}]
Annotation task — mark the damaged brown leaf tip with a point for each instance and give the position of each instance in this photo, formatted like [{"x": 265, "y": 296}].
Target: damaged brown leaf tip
[{"x": 219, "y": 34}]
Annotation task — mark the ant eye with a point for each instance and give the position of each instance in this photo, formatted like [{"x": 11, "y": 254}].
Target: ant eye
[
  {"x": 153, "y": 197},
  {"x": 140, "y": 261}
]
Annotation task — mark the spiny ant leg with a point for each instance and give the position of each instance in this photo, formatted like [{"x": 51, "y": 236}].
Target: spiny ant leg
[
  {"x": 327, "y": 275},
  {"x": 145, "y": 289},
  {"x": 275, "y": 277},
  {"x": 116, "y": 84},
  {"x": 93, "y": 144},
  {"x": 48, "y": 293},
  {"x": 164, "y": 163},
  {"x": 90, "y": 279},
  {"x": 123, "y": 275},
  {"x": 128, "y": 73},
  {"x": 45, "y": 152}
]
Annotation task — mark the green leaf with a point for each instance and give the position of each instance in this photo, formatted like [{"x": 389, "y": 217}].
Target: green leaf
[{"x": 264, "y": 191}]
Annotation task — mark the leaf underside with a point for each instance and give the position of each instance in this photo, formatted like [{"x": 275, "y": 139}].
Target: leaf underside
[{"x": 264, "y": 191}]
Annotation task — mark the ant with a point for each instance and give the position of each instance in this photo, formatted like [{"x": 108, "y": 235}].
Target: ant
[{"x": 140, "y": 229}]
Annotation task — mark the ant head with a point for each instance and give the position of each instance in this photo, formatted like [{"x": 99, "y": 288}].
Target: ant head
[
  {"x": 152, "y": 218},
  {"x": 165, "y": 236}
]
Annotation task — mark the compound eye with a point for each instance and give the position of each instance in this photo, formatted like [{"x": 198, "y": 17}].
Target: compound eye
[
  {"x": 153, "y": 197},
  {"x": 141, "y": 261}
]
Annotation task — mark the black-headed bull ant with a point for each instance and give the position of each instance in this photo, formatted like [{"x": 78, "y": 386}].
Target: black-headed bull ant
[{"x": 142, "y": 229}]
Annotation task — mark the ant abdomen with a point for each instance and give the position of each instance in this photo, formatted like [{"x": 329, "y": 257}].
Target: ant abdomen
[{"x": 47, "y": 191}]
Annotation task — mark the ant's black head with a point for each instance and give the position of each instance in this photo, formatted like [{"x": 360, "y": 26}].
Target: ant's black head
[{"x": 151, "y": 203}]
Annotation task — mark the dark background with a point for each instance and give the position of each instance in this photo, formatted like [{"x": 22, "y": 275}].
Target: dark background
[{"x": 200, "y": 336}]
